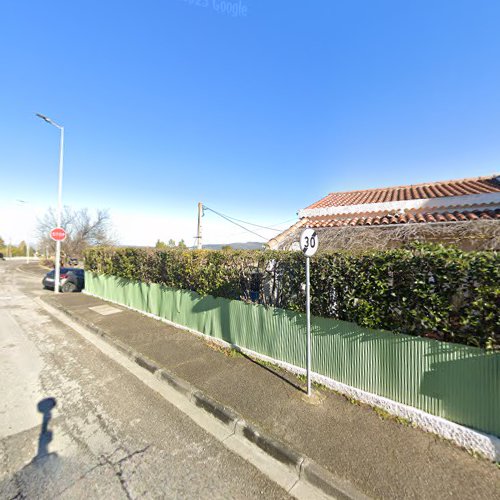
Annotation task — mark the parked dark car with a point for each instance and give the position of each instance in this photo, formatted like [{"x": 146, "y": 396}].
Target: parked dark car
[{"x": 72, "y": 279}]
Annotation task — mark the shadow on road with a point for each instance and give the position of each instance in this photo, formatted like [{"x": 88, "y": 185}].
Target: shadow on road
[
  {"x": 45, "y": 406},
  {"x": 45, "y": 468}
]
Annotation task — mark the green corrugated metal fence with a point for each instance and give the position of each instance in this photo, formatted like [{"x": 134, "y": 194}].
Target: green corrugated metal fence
[{"x": 453, "y": 381}]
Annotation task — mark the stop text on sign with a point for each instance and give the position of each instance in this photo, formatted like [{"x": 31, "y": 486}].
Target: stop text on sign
[{"x": 58, "y": 234}]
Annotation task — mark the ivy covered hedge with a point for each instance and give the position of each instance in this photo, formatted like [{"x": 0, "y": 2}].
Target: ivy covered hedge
[{"x": 424, "y": 290}]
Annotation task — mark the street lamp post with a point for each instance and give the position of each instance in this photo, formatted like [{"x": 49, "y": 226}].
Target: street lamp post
[{"x": 59, "y": 200}]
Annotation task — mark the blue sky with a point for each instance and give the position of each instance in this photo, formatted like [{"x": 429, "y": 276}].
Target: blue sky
[{"x": 166, "y": 103}]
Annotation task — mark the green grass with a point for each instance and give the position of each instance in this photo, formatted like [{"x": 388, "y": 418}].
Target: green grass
[{"x": 385, "y": 415}]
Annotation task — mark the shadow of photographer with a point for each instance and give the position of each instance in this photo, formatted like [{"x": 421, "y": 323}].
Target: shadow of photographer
[{"x": 45, "y": 407}]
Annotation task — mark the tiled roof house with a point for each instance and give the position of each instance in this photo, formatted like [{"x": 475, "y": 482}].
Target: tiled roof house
[{"x": 444, "y": 202}]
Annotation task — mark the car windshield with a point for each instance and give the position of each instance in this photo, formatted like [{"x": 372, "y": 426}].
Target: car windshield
[{"x": 64, "y": 270}]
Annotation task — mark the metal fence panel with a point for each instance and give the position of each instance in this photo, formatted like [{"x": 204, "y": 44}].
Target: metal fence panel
[{"x": 457, "y": 382}]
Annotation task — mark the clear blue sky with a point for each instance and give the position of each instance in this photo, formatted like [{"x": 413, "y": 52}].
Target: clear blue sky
[{"x": 166, "y": 103}]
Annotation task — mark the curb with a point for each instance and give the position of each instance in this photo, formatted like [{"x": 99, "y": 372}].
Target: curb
[
  {"x": 306, "y": 469},
  {"x": 473, "y": 441}
]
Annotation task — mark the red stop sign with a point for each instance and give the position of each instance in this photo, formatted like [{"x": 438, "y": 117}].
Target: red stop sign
[{"x": 58, "y": 234}]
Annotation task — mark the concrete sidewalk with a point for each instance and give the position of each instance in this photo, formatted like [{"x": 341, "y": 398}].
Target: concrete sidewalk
[{"x": 377, "y": 455}]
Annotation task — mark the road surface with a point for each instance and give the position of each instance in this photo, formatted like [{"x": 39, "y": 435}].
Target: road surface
[{"x": 74, "y": 423}]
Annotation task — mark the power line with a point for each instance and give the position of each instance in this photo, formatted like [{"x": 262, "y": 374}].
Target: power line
[
  {"x": 271, "y": 228},
  {"x": 256, "y": 225},
  {"x": 229, "y": 219},
  {"x": 279, "y": 223},
  {"x": 232, "y": 235},
  {"x": 243, "y": 221}
]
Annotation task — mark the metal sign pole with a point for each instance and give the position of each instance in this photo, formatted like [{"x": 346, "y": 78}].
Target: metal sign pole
[
  {"x": 308, "y": 319},
  {"x": 309, "y": 246}
]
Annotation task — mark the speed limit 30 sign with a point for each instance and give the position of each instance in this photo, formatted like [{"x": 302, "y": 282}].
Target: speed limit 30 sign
[
  {"x": 309, "y": 245},
  {"x": 309, "y": 242}
]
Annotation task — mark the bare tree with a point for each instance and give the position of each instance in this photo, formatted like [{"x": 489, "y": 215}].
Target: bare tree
[{"x": 82, "y": 229}]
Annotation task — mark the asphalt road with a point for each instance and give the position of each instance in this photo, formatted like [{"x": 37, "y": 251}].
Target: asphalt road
[{"x": 74, "y": 423}]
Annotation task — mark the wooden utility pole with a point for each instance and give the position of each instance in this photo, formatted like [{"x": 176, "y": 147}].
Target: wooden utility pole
[{"x": 198, "y": 236}]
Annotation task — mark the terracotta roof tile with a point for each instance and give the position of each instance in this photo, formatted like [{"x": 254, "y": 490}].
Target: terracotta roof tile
[
  {"x": 459, "y": 187},
  {"x": 493, "y": 214},
  {"x": 331, "y": 221}
]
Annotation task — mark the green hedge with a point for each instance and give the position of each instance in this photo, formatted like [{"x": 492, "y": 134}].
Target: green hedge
[{"x": 424, "y": 290}]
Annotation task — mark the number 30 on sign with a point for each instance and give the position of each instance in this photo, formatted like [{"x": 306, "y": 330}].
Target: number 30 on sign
[{"x": 309, "y": 242}]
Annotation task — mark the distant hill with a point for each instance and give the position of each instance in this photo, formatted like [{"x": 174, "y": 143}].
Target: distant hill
[{"x": 249, "y": 245}]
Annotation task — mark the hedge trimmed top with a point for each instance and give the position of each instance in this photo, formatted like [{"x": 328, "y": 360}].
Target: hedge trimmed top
[{"x": 424, "y": 290}]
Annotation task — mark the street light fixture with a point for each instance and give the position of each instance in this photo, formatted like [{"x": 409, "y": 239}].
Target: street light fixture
[{"x": 59, "y": 200}]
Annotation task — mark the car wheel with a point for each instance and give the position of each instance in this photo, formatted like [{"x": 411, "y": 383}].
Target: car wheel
[{"x": 69, "y": 287}]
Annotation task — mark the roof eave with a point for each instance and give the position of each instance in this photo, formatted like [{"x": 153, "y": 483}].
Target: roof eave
[{"x": 470, "y": 201}]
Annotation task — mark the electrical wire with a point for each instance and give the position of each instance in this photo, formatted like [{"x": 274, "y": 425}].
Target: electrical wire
[
  {"x": 284, "y": 222},
  {"x": 250, "y": 223},
  {"x": 255, "y": 225},
  {"x": 232, "y": 222},
  {"x": 233, "y": 219},
  {"x": 234, "y": 235}
]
